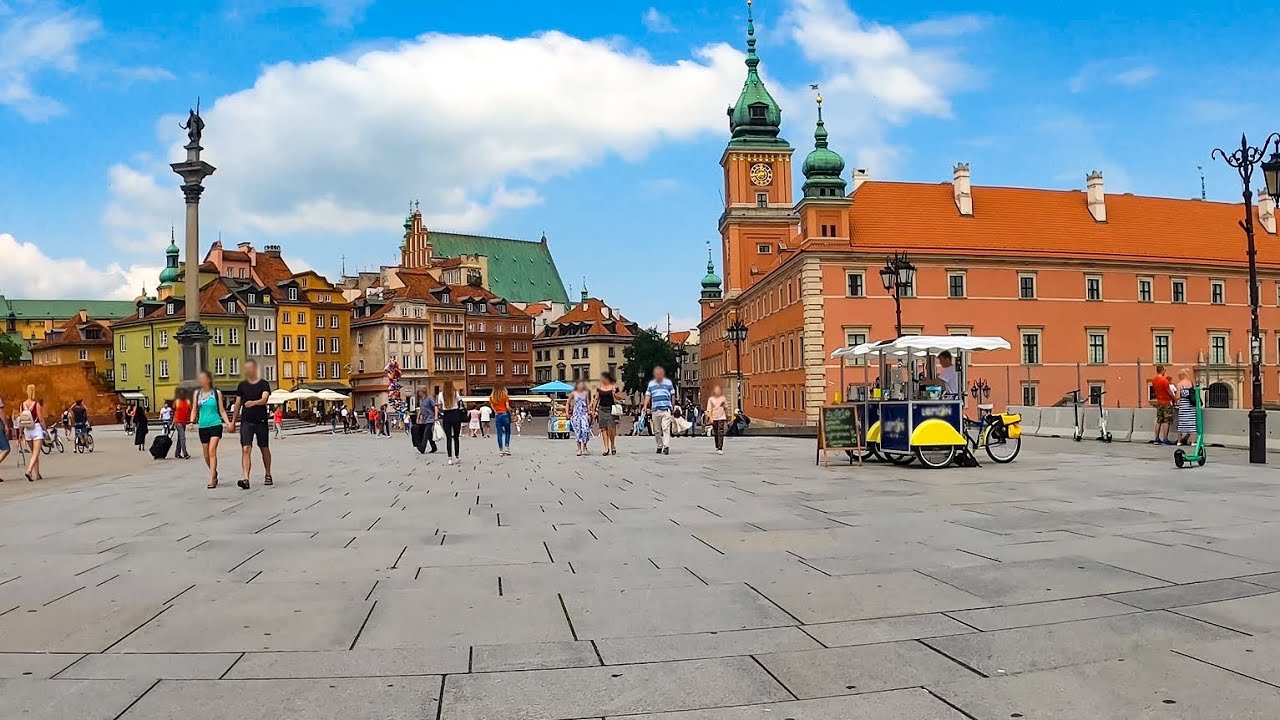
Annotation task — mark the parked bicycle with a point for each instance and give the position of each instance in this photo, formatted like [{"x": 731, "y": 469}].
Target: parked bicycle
[
  {"x": 1000, "y": 434},
  {"x": 51, "y": 441}
]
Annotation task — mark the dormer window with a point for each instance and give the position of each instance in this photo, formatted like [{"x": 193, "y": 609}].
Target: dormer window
[
  {"x": 231, "y": 306},
  {"x": 168, "y": 310},
  {"x": 253, "y": 298},
  {"x": 293, "y": 293},
  {"x": 758, "y": 112}
]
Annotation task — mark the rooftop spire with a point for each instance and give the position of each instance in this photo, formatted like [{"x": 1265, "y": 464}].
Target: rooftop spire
[
  {"x": 823, "y": 166},
  {"x": 710, "y": 281},
  {"x": 756, "y": 118},
  {"x": 753, "y": 60}
]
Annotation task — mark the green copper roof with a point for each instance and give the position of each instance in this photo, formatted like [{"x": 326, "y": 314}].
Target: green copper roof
[
  {"x": 823, "y": 166},
  {"x": 170, "y": 273},
  {"x": 64, "y": 309},
  {"x": 519, "y": 270},
  {"x": 710, "y": 280},
  {"x": 756, "y": 119}
]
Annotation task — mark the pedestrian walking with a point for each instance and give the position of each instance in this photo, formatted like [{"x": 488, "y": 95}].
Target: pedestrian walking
[
  {"x": 718, "y": 416},
  {"x": 474, "y": 424},
  {"x": 1186, "y": 408},
  {"x": 66, "y": 422},
  {"x": 80, "y": 419},
  {"x": 181, "y": 419},
  {"x": 166, "y": 417},
  {"x": 346, "y": 417},
  {"x": 209, "y": 421},
  {"x": 501, "y": 418},
  {"x": 607, "y": 407},
  {"x": 580, "y": 415},
  {"x": 251, "y": 417},
  {"x": 658, "y": 399},
  {"x": 5, "y": 449},
  {"x": 486, "y": 417},
  {"x": 140, "y": 427},
  {"x": 425, "y": 422},
  {"x": 452, "y": 412},
  {"x": 277, "y": 420},
  {"x": 1162, "y": 389}
]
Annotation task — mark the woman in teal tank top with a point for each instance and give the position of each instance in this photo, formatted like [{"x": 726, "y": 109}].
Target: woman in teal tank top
[{"x": 210, "y": 418}]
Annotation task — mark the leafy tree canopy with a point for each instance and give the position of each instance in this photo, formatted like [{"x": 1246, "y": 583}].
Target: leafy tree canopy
[
  {"x": 10, "y": 350},
  {"x": 649, "y": 350}
]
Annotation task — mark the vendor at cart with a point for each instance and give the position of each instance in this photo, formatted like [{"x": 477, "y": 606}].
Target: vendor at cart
[{"x": 944, "y": 379}]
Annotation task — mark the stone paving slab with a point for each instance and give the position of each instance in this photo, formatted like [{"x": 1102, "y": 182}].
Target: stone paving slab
[
  {"x": 351, "y": 699},
  {"x": 596, "y": 692},
  {"x": 616, "y": 651},
  {"x": 1162, "y": 686},
  {"x": 1271, "y": 580},
  {"x": 1006, "y": 652},
  {"x": 65, "y": 699},
  {"x": 869, "y": 632},
  {"x": 424, "y": 618},
  {"x": 349, "y": 663},
  {"x": 38, "y": 666},
  {"x": 1181, "y": 563},
  {"x": 1012, "y": 583},
  {"x": 912, "y": 704},
  {"x": 1054, "y": 611},
  {"x": 1254, "y": 615},
  {"x": 859, "y": 597},
  {"x": 865, "y": 668},
  {"x": 1191, "y": 594},
  {"x": 642, "y": 612},
  {"x": 120, "y": 666},
  {"x": 1256, "y": 657},
  {"x": 533, "y": 656}
]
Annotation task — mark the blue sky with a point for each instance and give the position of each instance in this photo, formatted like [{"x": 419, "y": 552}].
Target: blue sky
[{"x": 603, "y": 128}]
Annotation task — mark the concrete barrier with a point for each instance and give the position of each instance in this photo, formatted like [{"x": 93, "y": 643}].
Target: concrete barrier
[
  {"x": 1273, "y": 430},
  {"x": 1030, "y": 418},
  {"x": 1144, "y": 425},
  {"x": 1119, "y": 424},
  {"x": 1229, "y": 428},
  {"x": 1056, "y": 422}
]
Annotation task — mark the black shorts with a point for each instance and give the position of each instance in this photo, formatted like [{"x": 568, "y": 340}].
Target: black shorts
[
  {"x": 209, "y": 433},
  {"x": 251, "y": 430}
]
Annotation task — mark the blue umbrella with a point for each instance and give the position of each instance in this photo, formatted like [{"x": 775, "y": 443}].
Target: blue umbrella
[{"x": 555, "y": 386}]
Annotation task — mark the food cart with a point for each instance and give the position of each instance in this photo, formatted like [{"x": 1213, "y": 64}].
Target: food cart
[
  {"x": 558, "y": 420},
  {"x": 907, "y": 414}
]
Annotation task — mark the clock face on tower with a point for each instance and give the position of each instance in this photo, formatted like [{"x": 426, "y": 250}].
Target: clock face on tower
[{"x": 761, "y": 174}]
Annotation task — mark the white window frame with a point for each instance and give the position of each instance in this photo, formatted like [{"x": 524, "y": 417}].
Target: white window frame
[
  {"x": 1087, "y": 280},
  {"x": 1035, "y": 285}
]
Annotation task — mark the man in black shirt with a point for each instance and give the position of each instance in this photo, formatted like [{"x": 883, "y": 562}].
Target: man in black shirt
[{"x": 251, "y": 395}]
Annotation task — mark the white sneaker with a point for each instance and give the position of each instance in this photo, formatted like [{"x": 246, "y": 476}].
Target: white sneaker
[
  {"x": 450, "y": 461},
  {"x": 719, "y": 452}
]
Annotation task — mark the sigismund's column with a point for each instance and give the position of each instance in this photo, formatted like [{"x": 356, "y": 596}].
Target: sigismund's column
[{"x": 193, "y": 337}]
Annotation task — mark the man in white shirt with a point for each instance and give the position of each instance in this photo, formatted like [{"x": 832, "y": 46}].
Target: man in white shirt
[
  {"x": 486, "y": 415},
  {"x": 948, "y": 375}
]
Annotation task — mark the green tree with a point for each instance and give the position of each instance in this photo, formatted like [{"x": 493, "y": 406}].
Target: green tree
[
  {"x": 649, "y": 350},
  {"x": 10, "y": 350}
]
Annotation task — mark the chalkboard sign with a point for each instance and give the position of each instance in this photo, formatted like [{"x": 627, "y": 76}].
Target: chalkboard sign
[{"x": 838, "y": 429}]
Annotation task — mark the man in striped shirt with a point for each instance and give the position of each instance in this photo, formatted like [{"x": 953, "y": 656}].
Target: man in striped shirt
[{"x": 659, "y": 397}]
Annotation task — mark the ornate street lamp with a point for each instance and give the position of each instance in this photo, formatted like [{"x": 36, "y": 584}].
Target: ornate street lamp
[
  {"x": 899, "y": 277},
  {"x": 1243, "y": 161},
  {"x": 737, "y": 333}
]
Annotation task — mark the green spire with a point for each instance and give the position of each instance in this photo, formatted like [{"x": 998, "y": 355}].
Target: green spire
[
  {"x": 756, "y": 119},
  {"x": 170, "y": 273},
  {"x": 710, "y": 281},
  {"x": 823, "y": 166}
]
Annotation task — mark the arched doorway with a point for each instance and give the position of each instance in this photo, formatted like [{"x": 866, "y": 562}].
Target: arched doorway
[{"x": 1219, "y": 395}]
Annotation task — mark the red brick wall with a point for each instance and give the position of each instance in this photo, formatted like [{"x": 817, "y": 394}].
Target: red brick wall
[{"x": 59, "y": 386}]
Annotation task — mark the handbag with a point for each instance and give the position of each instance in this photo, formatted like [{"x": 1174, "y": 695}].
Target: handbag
[
  {"x": 616, "y": 410},
  {"x": 437, "y": 432}
]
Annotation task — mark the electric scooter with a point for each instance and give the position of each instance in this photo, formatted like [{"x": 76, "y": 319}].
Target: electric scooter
[
  {"x": 1097, "y": 398},
  {"x": 1196, "y": 455}
]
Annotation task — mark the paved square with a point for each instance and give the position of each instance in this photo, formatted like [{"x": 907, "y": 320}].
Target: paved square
[{"x": 373, "y": 582}]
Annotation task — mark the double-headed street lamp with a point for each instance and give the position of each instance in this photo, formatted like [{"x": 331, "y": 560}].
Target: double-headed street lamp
[
  {"x": 737, "y": 333},
  {"x": 898, "y": 276},
  {"x": 1244, "y": 161}
]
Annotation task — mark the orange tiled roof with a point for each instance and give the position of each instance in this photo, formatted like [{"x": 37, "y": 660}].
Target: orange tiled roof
[
  {"x": 922, "y": 218},
  {"x": 212, "y": 297},
  {"x": 680, "y": 338},
  {"x": 418, "y": 284},
  {"x": 474, "y": 292},
  {"x": 590, "y": 314},
  {"x": 537, "y": 308},
  {"x": 70, "y": 333}
]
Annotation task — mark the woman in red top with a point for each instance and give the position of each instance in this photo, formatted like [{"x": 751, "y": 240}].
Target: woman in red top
[
  {"x": 181, "y": 418},
  {"x": 277, "y": 419},
  {"x": 501, "y": 404}
]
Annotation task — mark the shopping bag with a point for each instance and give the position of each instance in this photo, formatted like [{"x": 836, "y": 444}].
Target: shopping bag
[{"x": 437, "y": 432}]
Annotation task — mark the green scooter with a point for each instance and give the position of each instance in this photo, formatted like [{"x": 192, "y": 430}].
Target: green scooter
[{"x": 1196, "y": 455}]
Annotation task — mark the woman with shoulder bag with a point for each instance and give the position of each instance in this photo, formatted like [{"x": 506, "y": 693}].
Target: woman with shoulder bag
[
  {"x": 452, "y": 412},
  {"x": 210, "y": 419},
  {"x": 32, "y": 426},
  {"x": 608, "y": 410}
]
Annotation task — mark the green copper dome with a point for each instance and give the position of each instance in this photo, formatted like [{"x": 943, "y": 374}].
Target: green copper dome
[
  {"x": 170, "y": 274},
  {"x": 710, "y": 281},
  {"x": 756, "y": 119},
  {"x": 823, "y": 166}
]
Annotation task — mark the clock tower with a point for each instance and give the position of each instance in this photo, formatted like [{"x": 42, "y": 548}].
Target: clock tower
[{"x": 758, "y": 218}]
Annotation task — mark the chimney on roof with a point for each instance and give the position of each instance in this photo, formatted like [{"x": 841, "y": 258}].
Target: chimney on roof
[
  {"x": 271, "y": 251},
  {"x": 860, "y": 176},
  {"x": 244, "y": 245},
  {"x": 1267, "y": 212},
  {"x": 1097, "y": 197},
  {"x": 962, "y": 189}
]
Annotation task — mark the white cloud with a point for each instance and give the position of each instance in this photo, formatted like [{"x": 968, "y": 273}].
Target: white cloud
[
  {"x": 341, "y": 143},
  {"x": 874, "y": 76},
  {"x": 656, "y": 22},
  {"x": 28, "y": 273},
  {"x": 34, "y": 42},
  {"x": 1126, "y": 72}
]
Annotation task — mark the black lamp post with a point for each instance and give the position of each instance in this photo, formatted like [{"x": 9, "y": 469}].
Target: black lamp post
[
  {"x": 898, "y": 276},
  {"x": 1244, "y": 161},
  {"x": 737, "y": 335}
]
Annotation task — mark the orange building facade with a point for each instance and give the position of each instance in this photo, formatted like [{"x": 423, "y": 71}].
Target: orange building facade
[{"x": 1091, "y": 289}]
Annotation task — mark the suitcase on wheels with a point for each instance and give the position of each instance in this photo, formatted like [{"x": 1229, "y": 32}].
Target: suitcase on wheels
[{"x": 160, "y": 446}]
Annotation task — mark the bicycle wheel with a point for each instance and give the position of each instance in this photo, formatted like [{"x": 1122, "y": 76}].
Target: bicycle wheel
[
  {"x": 46, "y": 447},
  {"x": 936, "y": 458},
  {"x": 88, "y": 443},
  {"x": 61, "y": 447},
  {"x": 1000, "y": 447}
]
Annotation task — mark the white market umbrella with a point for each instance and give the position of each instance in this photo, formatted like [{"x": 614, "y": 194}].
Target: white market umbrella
[
  {"x": 331, "y": 396},
  {"x": 279, "y": 397}
]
